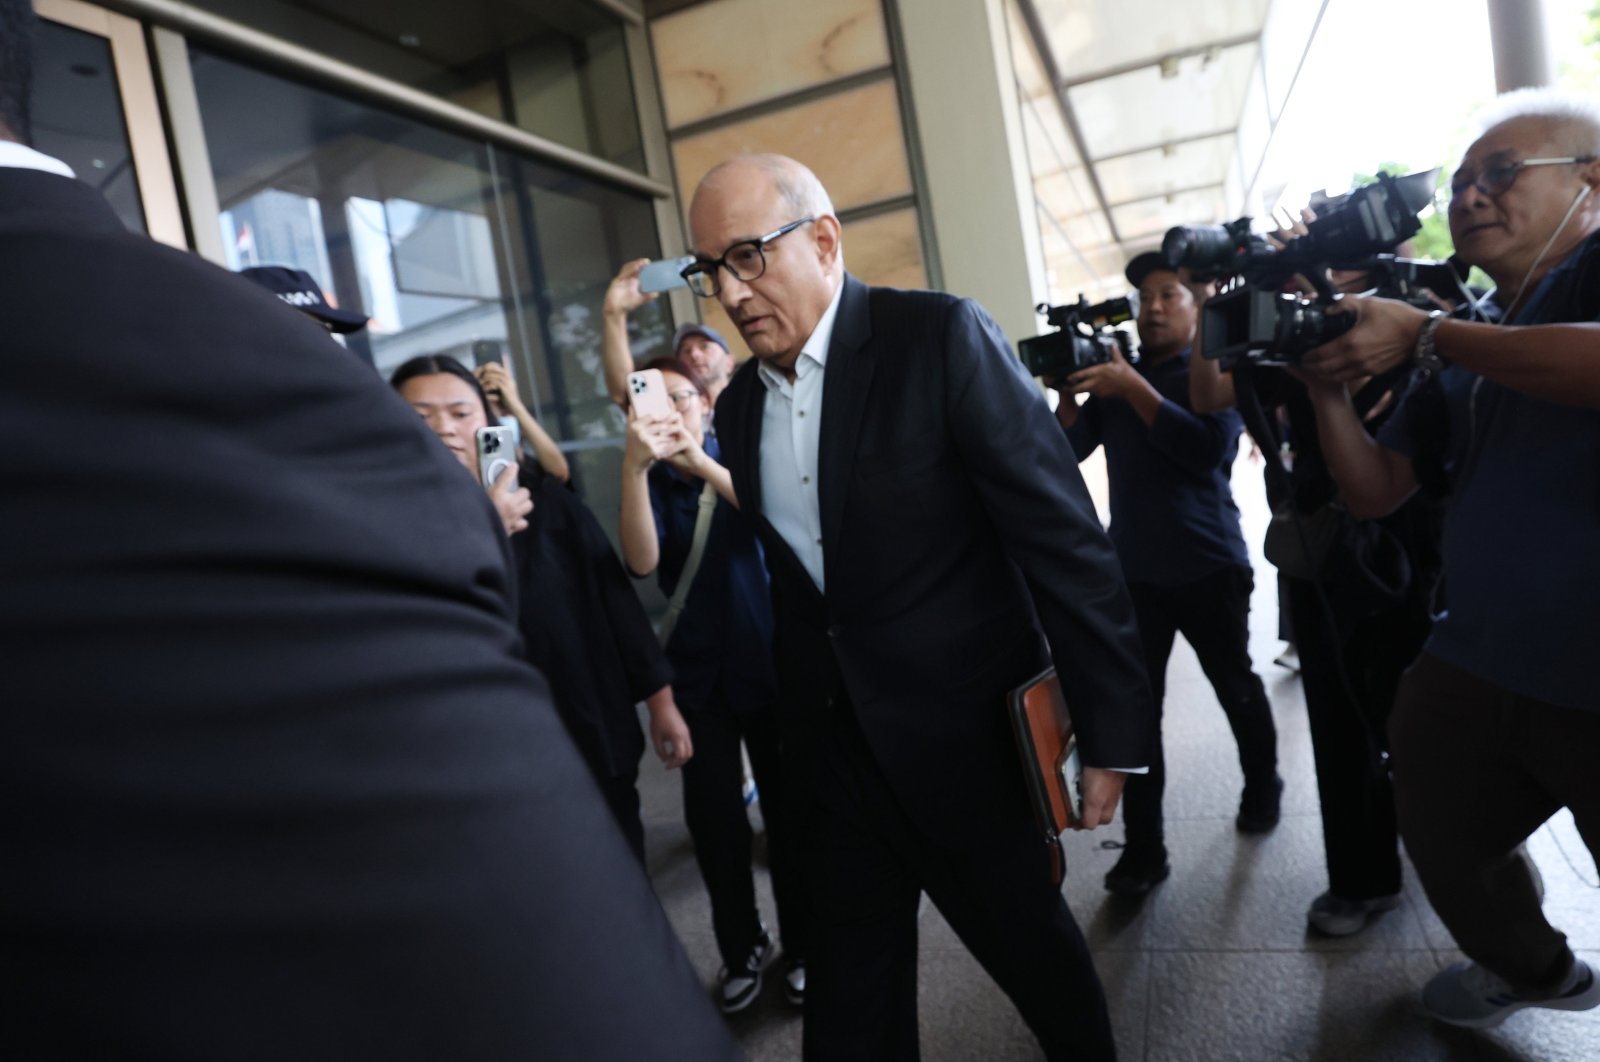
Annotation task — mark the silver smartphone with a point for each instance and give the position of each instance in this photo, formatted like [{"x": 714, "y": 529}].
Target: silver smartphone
[
  {"x": 497, "y": 451},
  {"x": 665, "y": 274}
]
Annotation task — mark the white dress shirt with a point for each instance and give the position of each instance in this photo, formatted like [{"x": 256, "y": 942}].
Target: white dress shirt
[
  {"x": 791, "y": 429},
  {"x": 21, "y": 157}
]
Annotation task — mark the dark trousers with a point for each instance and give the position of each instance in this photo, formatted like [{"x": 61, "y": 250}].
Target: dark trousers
[
  {"x": 713, "y": 808},
  {"x": 1214, "y": 615},
  {"x": 1350, "y": 675},
  {"x": 866, "y": 864},
  {"x": 1477, "y": 769},
  {"x": 622, "y": 797}
]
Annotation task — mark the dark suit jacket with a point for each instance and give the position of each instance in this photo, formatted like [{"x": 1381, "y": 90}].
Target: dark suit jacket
[
  {"x": 274, "y": 779},
  {"x": 585, "y": 628},
  {"x": 956, "y": 530}
]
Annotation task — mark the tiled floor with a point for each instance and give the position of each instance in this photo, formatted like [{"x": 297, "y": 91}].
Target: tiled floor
[{"x": 1216, "y": 963}]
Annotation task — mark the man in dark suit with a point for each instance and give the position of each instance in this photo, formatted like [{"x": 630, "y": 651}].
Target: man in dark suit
[
  {"x": 927, "y": 530},
  {"x": 274, "y": 779}
]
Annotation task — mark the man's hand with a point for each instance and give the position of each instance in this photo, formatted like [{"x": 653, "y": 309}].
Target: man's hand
[
  {"x": 1112, "y": 379},
  {"x": 1384, "y": 336},
  {"x": 511, "y": 501},
  {"x": 623, "y": 296},
  {"x": 1101, "y": 791},
  {"x": 499, "y": 386}
]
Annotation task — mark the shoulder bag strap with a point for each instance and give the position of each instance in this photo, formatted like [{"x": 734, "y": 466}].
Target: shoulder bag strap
[{"x": 691, "y": 566}]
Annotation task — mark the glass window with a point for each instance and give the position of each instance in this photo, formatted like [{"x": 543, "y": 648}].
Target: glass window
[
  {"x": 448, "y": 244},
  {"x": 558, "y": 68},
  {"x": 77, "y": 115}
]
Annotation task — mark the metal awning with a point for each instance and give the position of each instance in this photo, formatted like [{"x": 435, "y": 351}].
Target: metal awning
[{"x": 1144, "y": 114}]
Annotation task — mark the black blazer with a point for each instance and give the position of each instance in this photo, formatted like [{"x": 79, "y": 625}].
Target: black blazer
[
  {"x": 956, "y": 531},
  {"x": 274, "y": 779}
]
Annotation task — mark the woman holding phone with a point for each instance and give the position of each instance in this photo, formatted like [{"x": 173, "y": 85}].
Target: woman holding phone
[
  {"x": 720, "y": 646},
  {"x": 579, "y": 616}
]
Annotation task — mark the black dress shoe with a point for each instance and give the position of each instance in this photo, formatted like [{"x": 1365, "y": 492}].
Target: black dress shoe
[
  {"x": 1137, "y": 872},
  {"x": 1260, "y": 807}
]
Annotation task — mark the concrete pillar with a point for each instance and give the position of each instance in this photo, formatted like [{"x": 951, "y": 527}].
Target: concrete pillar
[
  {"x": 968, "y": 126},
  {"x": 1521, "y": 44}
]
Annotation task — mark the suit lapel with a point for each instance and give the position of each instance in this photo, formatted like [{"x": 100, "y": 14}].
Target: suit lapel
[{"x": 845, "y": 388}]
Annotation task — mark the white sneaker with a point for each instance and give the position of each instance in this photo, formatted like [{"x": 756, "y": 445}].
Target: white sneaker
[
  {"x": 737, "y": 989},
  {"x": 1466, "y": 994},
  {"x": 794, "y": 982}
]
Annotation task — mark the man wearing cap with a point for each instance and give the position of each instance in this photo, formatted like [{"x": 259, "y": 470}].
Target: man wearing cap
[
  {"x": 700, "y": 347},
  {"x": 1176, "y": 530},
  {"x": 297, "y": 288}
]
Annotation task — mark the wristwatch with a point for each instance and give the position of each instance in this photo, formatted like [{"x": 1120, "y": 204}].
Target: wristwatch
[{"x": 1423, "y": 353}]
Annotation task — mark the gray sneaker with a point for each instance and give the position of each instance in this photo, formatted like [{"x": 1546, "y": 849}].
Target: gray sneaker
[
  {"x": 1466, "y": 994},
  {"x": 1335, "y": 916}
]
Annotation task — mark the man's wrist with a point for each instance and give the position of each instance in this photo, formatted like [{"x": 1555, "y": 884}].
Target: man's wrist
[{"x": 1423, "y": 350}]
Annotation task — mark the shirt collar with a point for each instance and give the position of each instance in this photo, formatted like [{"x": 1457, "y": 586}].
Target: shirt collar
[
  {"x": 21, "y": 157},
  {"x": 815, "y": 348}
]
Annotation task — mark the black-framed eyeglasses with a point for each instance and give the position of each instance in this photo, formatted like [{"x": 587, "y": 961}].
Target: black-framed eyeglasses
[
  {"x": 745, "y": 260},
  {"x": 1498, "y": 179}
]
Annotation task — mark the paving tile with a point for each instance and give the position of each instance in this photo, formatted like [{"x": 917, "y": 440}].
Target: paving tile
[
  {"x": 1234, "y": 893},
  {"x": 1292, "y": 1005}
]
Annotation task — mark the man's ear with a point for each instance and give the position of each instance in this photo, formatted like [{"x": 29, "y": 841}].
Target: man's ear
[{"x": 829, "y": 238}]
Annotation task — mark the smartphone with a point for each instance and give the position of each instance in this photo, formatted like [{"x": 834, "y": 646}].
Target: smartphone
[
  {"x": 647, "y": 391},
  {"x": 497, "y": 451},
  {"x": 487, "y": 351},
  {"x": 665, "y": 274},
  {"x": 1071, "y": 768}
]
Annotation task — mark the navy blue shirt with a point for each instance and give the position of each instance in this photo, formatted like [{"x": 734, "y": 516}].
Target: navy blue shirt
[
  {"x": 1522, "y": 533},
  {"x": 723, "y": 640},
  {"x": 1173, "y": 519}
]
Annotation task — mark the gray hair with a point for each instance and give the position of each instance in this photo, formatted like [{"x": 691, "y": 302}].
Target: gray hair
[{"x": 1574, "y": 120}]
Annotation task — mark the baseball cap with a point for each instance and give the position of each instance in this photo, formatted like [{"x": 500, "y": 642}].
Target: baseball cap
[
  {"x": 686, "y": 330},
  {"x": 1145, "y": 264},
  {"x": 297, "y": 288}
]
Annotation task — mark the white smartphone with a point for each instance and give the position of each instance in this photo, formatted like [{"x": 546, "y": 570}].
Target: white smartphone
[
  {"x": 497, "y": 451},
  {"x": 647, "y": 391},
  {"x": 1071, "y": 768},
  {"x": 665, "y": 274}
]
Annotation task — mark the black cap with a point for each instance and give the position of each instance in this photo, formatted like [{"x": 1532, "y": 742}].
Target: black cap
[
  {"x": 297, "y": 288},
  {"x": 1145, "y": 264}
]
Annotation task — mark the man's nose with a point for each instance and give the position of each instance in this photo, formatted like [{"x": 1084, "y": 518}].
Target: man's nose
[{"x": 732, "y": 290}]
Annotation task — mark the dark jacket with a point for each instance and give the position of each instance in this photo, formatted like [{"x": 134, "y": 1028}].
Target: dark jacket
[
  {"x": 957, "y": 536},
  {"x": 275, "y": 781},
  {"x": 584, "y": 627}
]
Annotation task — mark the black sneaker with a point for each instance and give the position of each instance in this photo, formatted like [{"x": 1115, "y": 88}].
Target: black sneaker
[
  {"x": 1260, "y": 807},
  {"x": 1138, "y": 871},
  {"x": 737, "y": 989},
  {"x": 794, "y": 982}
]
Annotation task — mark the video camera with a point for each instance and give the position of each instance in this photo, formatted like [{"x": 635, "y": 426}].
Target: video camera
[
  {"x": 1085, "y": 335},
  {"x": 1258, "y": 323}
]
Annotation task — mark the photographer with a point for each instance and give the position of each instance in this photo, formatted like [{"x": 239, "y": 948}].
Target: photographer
[
  {"x": 1497, "y": 725},
  {"x": 1358, "y": 598},
  {"x": 1176, "y": 531}
]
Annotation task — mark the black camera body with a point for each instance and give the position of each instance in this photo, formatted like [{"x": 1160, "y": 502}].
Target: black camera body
[
  {"x": 1256, "y": 321},
  {"x": 1085, "y": 335}
]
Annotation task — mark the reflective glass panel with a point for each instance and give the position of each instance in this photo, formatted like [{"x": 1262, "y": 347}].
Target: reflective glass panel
[{"x": 77, "y": 115}]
